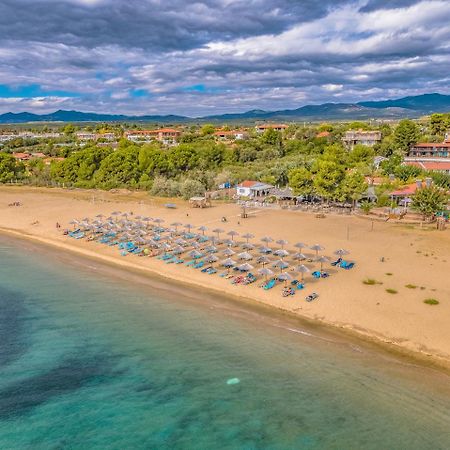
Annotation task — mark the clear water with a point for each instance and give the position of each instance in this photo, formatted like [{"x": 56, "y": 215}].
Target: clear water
[{"x": 90, "y": 361}]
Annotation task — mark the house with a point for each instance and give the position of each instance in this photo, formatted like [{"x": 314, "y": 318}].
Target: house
[
  {"x": 323, "y": 135},
  {"x": 360, "y": 137},
  {"x": 253, "y": 189},
  {"x": 165, "y": 135},
  {"x": 274, "y": 126},
  {"x": 22, "y": 156},
  {"x": 431, "y": 166},
  {"x": 230, "y": 135},
  {"x": 429, "y": 150},
  {"x": 85, "y": 136},
  {"x": 405, "y": 192}
]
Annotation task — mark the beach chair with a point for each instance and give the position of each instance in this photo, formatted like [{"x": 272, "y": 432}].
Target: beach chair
[
  {"x": 316, "y": 274},
  {"x": 294, "y": 282},
  {"x": 338, "y": 261},
  {"x": 179, "y": 261},
  {"x": 324, "y": 275},
  {"x": 191, "y": 263},
  {"x": 347, "y": 265},
  {"x": 300, "y": 286},
  {"x": 212, "y": 271},
  {"x": 270, "y": 284},
  {"x": 311, "y": 297},
  {"x": 199, "y": 265},
  {"x": 206, "y": 269},
  {"x": 123, "y": 253}
]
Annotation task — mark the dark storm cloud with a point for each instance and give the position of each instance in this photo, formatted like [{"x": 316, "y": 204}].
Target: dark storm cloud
[
  {"x": 204, "y": 57},
  {"x": 151, "y": 24}
]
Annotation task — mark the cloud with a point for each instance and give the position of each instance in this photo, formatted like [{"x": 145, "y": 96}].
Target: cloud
[{"x": 211, "y": 56}]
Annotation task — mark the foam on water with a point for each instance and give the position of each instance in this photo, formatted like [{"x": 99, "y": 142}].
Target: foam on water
[{"x": 91, "y": 362}]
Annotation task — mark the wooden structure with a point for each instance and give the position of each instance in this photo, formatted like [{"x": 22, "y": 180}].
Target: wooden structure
[{"x": 199, "y": 202}]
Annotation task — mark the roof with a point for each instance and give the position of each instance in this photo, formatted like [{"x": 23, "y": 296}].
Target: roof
[
  {"x": 430, "y": 165},
  {"x": 406, "y": 191},
  {"x": 19, "y": 155},
  {"x": 247, "y": 184},
  {"x": 272, "y": 125},
  {"x": 323, "y": 134},
  {"x": 432, "y": 145},
  {"x": 150, "y": 132}
]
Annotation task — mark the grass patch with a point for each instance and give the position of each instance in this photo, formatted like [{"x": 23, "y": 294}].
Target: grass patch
[
  {"x": 391, "y": 291},
  {"x": 371, "y": 282},
  {"x": 422, "y": 288},
  {"x": 389, "y": 274},
  {"x": 411, "y": 286},
  {"x": 431, "y": 301}
]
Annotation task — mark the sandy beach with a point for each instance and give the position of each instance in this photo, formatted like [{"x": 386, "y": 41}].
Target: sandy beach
[{"x": 412, "y": 256}]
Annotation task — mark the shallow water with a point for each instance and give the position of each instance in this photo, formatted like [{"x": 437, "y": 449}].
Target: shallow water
[{"x": 89, "y": 360}]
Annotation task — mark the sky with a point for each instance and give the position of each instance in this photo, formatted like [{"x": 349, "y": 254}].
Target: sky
[{"x": 198, "y": 58}]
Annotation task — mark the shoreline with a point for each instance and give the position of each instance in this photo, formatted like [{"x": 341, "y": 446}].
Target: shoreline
[{"x": 424, "y": 358}]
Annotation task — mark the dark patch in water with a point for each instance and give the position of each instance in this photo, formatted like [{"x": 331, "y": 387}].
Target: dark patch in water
[
  {"x": 73, "y": 374},
  {"x": 12, "y": 313}
]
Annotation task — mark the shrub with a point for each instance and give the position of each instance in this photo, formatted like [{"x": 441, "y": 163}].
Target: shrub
[
  {"x": 391, "y": 291},
  {"x": 411, "y": 286},
  {"x": 431, "y": 301},
  {"x": 371, "y": 281}
]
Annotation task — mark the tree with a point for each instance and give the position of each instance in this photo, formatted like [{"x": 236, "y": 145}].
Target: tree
[
  {"x": 207, "y": 129},
  {"x": 271, "y": 137},
  {"x": 10, "y": 169},
  {"x": 361, "y": 154},
  {"x": 405, "y": 135},
  {"x": 439, "y": 124},
  {"x": 366, "y": 206},
  {"x": 328, "y": 178},
  {"x": 429, "y": 201},
  {"x": 353, "y": 186},
  {"x": 301, "y": 181},
  {"x": 191, "y": 188}
]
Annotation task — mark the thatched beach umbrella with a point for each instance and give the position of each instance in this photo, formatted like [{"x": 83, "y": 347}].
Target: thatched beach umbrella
[
  {"x": 280, "y": 264},
  {"x": 211, "y": 249},
  {"x": 189, "y": 226},
  {"x": 228, "y": 263},
  {"x": 218, "y": 231},
  {"x": 299, "y": 257},
  {"x": 282, "y": 253},
  {"x": 195, "y": 254},
  {"x": 282, "y": 242},
  {"x": 203, "y": 229},
  {"x": 266, "y": 239},
  {"x": 245, "y": 267},
  {"x": 263, "y": 260},
  {"x": 176, "y": 225},
  {"x": 301, "y": 269},
  {"x": 211, "y": 259},
  {"x": 300, "y": 245},
  {"x": 284, "y": 276},
  {"x": 265, "y": 250},
  {"x": 266, "y": 272},
  {"x": 228, "y": 252},
  {"x": 341, "y": 252},
  {"x": 248, "y": 246},
  {"x": 317, "y": 248},
  {"x": 232, "y": 233},
  {"x": 245, "y": 256},
  {"x": 322, "y": 260},
  {"x": 247, "y": 236}
]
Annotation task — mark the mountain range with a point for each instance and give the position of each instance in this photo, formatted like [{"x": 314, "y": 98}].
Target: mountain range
[{"x": 413, "y": 106}]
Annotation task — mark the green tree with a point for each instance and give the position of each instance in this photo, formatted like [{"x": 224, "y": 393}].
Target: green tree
[
  {"x": 301, "y": 181},
  {"x": 405, "y": 135},
  {"x": 271, "y": 137},
  {"x": 353, "y": 186},
  {"x": 429, "y": 201},
  {"x": 207, "y": 129},
  {"x": 328, "y": 177},
  {"x": 10, "y": 169},
  {"x": 439, "y": 124}
]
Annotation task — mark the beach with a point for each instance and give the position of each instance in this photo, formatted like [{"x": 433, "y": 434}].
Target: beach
[{"x": 394, "y": 255}]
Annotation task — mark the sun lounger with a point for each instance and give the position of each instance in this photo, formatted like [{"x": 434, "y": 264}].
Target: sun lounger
[
  {"x": 316, "y": 274},
  {"x": 287, "y": 291},
  {"x": 338, "y": 261},
  {"x": 191, "y": 263},
  {"x": 212, "y": 271},
  {"x": 300, "y": 286},
  {"x": 123, "y": 253},
  {"x": 199, "y": 265},
  {"x": 206, "y": 269},
  {"x": 347, "y": 265},
  {"x": 269, "y": 285},
  {"x": 324, "y": 275},
  {"x": 179, "y": 261},
  {"x": 311, "y": 297}
]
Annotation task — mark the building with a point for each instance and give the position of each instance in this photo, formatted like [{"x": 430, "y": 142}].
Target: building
[
  {"x": 442, "y": 165},
  {"x": 429, "y": 150},
  {"x": 164, "y": 135},
  {"x": 404, "y": 194},
  {"x": 273, "y": 126},
  {"x": 230, "y": 135},
  {"x": 360, "y": 137},
  {"x": 323, "y": 135},
  {"x": 253, "y": 189},
  {"x": 85, "y": 136}
]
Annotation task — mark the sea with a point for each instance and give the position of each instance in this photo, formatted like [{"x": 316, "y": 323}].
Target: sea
[{"x": 96, "y": 358}]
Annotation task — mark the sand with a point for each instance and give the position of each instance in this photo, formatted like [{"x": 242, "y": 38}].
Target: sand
[{"x": 413, "y": 256}]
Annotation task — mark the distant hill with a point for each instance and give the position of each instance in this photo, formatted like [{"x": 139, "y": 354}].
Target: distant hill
[{"x": 414, "y": 106}]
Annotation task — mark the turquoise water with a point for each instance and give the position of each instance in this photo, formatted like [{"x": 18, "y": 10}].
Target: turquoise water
[{"x": 91, "y": 361}]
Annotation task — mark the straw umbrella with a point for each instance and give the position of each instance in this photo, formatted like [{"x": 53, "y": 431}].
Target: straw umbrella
[
  {"x": 302, "y": 269},
  {"x": 211, "y": 249},
  {"x": 263, "y": 260},
  {"x": 195, "y": 254},
  {"x": 228, "y": 252},
  {"x": 265, "y": 250},
  {"x": 228, "y": 262},
  {"x": 317, "y": 248},
  {"x": 218, "y": 231},
  {"x": 245, "y": 256},
  {"x": 266, "y": 240},
  {"x": 176, "y": 225},
  {"x": 246, "y": 267},
  {"x": 284, "y": 276},
  {"x": 282, "y": 242},
  {"x": 211, "y": 259},
  {"x": 300, "y": 245},
  {"x": 341, "y": 252},
  {"x": 266, "y": 272},
  {"x": 232, "y": 233},
  {"x": 322, "y": 260},
  {"x": 299, "y": 257},
  {"x": 280, "y": 264},
  {"x": 282, "y": 253},
  {"x": 248, "y": 246},
  {"x": 203, "y": 229},
  {"x": 247, "y": 236}
]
